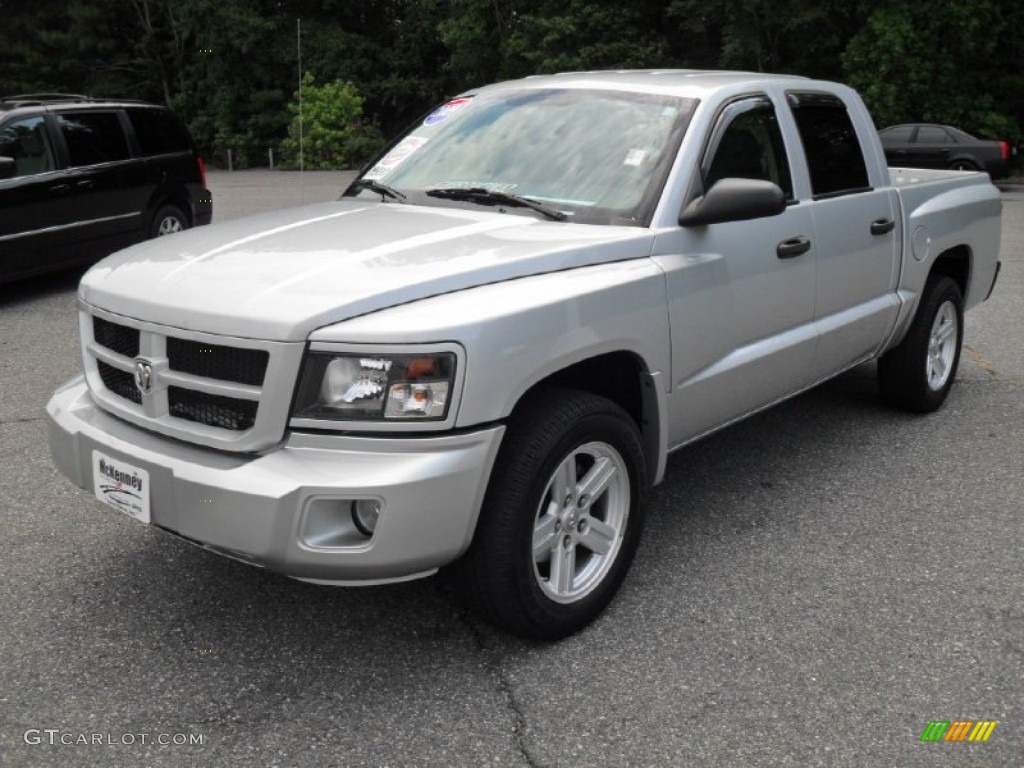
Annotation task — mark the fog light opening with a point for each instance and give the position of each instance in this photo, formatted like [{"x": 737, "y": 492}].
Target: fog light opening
[{"x": 365, "y": 513}]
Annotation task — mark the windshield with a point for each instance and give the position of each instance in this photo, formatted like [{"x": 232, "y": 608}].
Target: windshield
[{"x": 596, "y": 156}]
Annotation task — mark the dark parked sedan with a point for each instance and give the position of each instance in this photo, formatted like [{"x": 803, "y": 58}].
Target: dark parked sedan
[{"x": 925, "y": 145}]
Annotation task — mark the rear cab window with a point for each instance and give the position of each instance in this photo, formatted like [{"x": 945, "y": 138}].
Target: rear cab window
[
  {"x": 93, "y": 138},
  {"x": 834, "y": 155},
  {"x": 928, "y": 134}
]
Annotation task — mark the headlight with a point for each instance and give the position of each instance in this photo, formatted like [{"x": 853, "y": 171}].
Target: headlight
[{"x": 389, "y": 387}]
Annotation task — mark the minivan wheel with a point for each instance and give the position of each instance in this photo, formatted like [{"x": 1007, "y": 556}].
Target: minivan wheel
[
  {"x": 168, "y": 220},
  {"x": 918, "y": 374},
  {"x": 561, "y": 519}
]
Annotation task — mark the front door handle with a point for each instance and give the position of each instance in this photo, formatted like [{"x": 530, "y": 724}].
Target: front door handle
[
  {"x": 882, "y": 226},
  {"x": 793, "y": 247},
  {"x": 59, "y": 189},
  {"x": 85, "y": 184}
]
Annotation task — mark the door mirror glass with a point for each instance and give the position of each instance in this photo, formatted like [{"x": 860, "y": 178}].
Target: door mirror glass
[
  {"x": 734, "y": 200},
  {"x": 7, "y": 168}
]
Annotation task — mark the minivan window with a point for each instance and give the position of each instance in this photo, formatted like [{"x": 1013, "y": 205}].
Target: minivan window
[
  {"x": 93, "y": 137},
  {"x": 834, "y": 156},
  {"x": 27, "y": 143},
  {"x": 158, "y": 132}
]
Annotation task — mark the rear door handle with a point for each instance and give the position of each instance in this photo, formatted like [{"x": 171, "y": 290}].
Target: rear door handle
[
  {"x": 85, "y": 184},
  {"x": 882, "y": 226},
  {"x": 59, "y": 189},
  {"x": 795, "y": 246}
]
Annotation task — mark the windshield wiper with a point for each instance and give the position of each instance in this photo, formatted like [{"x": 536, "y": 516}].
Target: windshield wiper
[
  {"x": 495, "y": 197},
  {"x": 381, "y": 189}
]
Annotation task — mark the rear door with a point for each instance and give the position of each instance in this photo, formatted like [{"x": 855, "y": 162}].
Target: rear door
[{"x": 857, "y": 234}]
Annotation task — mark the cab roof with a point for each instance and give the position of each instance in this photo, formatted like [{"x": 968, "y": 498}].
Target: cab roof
[{"x": 692, "y": 83}]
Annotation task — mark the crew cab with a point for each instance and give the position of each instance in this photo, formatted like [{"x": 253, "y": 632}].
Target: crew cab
[{"x": 480, "y": 357}]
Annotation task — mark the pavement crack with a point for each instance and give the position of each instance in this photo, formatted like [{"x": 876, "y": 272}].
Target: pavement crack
[
  {"x": 519, "y": 723},
  {"x": 25, "y": 420},
  {"x": 979, "y": 360}
]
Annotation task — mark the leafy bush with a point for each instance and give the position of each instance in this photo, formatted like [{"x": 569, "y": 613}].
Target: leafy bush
[{"x": 334, "y": 135}]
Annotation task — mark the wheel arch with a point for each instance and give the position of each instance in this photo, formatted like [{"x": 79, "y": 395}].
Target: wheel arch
[
  {"x": 169, "y": 196},
  {"x": 956, "y": 263},
  {"x": 623, "y": 377}
]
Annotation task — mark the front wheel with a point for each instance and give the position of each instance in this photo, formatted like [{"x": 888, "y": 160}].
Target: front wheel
[
  {"x": 561, "y": 519},
  {"x": 918, "y": 374}
]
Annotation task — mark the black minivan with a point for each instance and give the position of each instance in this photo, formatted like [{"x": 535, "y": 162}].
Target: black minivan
[{"x": 81, "y": 178}]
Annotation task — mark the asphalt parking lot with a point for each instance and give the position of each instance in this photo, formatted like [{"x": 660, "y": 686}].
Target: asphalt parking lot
[{"x": 815, "y": 585}]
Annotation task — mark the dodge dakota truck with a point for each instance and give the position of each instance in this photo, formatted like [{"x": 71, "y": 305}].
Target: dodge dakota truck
[{"x": 480, "y": 356}]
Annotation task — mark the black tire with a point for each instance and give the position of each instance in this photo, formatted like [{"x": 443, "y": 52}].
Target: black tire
[
  {"x": 167, "y": 220},
  {"x": 500, "y": 578},
  {"x": 963, "y": 165},
  {"x": 909, "y": 375}
]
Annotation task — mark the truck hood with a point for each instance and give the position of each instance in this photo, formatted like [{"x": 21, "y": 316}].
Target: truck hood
[{"x": 281, "y": 275}]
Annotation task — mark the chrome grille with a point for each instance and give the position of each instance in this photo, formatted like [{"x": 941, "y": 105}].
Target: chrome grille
[{"x": 219, "y": 391}]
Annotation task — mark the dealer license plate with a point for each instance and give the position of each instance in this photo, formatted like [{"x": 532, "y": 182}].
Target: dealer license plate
[{"x": 121, "y": 485}]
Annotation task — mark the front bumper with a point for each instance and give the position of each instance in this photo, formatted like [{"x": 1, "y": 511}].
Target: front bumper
[{"x": 287, "y": 509}]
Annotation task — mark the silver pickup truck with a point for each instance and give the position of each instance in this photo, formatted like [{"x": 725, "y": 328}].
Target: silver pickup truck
[{"x": 480, "y": 357}]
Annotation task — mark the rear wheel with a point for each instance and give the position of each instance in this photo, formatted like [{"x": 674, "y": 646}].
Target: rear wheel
[
  {"x": 168, "y": 220},
  {"x": 962, "y": 165},
  {"x": 918, "y": 374},
  {"x": 561, "y": 519}
]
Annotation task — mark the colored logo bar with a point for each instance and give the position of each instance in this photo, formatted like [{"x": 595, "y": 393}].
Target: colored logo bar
[{"x": 958, "y": 730}]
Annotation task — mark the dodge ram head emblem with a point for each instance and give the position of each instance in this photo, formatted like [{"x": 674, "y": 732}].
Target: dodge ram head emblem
[{"x": 143, "y": 375}]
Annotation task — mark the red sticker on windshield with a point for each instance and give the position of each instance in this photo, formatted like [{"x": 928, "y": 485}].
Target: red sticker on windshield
[{"x": 445, "y": 111}]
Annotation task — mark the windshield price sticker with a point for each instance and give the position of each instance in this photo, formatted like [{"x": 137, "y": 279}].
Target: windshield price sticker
[
  {"x": 396, "y": 156},
  {"x": 121, "y": 485}
]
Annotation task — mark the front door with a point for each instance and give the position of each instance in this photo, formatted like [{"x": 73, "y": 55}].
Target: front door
[
  {"x": 741, "y": 293},
  {"x": 34, "y": 216}
]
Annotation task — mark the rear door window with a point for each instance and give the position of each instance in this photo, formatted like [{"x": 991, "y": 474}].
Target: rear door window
[
  {"x": 158, "y": 131},
  {"x": 927, "y": 134},
  {"x": 27, "y": 143},
  {"x": 834, "y": 156},
  {"x": 93, "y": 137}
]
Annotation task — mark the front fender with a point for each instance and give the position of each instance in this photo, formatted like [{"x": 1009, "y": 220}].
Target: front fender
[{"x": 519, "y": 332}]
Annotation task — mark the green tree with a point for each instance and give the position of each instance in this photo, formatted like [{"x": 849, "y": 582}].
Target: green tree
[
  {"x": 333, "y": 133},
  {"x": 953, "y": 62}
]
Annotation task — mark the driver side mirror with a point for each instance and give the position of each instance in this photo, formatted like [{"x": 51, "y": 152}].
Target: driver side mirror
[
  {"x": 734, "y": 200},
  {"x": 8, "y": 168}
]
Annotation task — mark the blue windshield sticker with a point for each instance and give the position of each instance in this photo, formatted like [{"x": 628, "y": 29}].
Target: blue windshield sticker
[{"x": 445, "y": 111}]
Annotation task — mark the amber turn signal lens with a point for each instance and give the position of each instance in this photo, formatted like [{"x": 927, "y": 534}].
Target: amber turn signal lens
[{"x": 420, "y": 367}]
